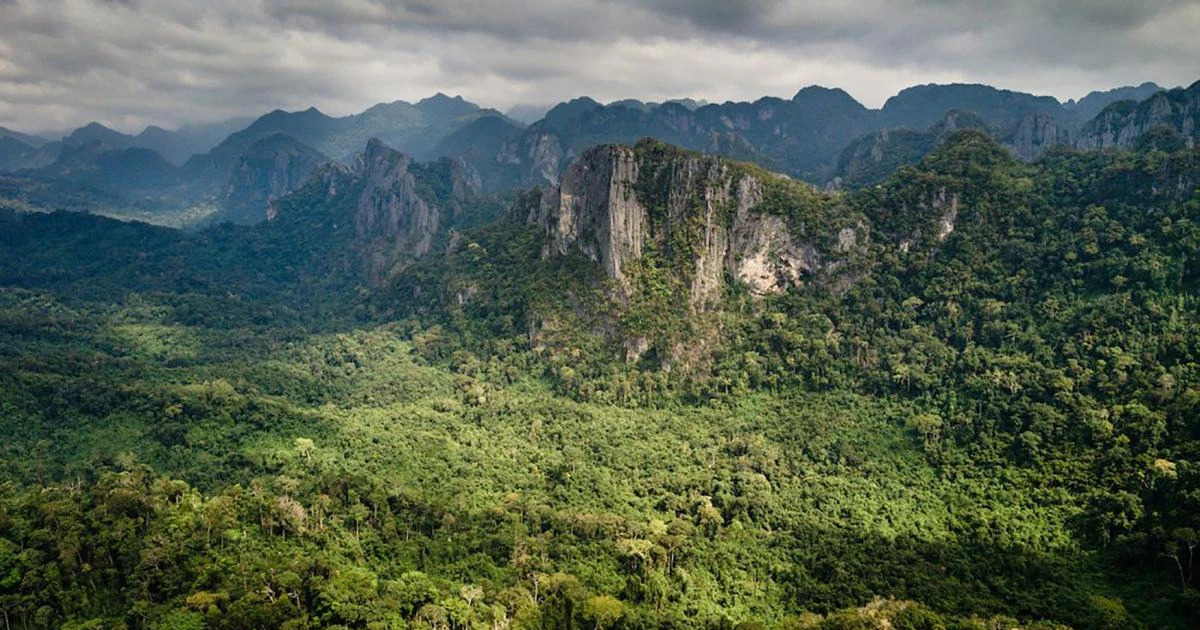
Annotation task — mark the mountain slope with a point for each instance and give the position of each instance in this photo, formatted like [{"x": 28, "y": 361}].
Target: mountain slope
[
  {"x": 1122, "y": 124},
  {"x": 1089, "y": 106},
  {"x": 391, "y": 209},
  {"x": 27, "y": 139},
  {"x": 270, "y": 168},
  {"x": 980, "y": 412},
  {"x": 801, "y": 136}
]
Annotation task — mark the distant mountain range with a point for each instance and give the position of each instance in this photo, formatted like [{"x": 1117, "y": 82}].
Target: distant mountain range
[{"x": 820, "y": 135}]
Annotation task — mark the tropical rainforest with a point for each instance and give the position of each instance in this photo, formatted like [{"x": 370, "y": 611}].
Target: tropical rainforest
[{"x": 981, "y": 410}]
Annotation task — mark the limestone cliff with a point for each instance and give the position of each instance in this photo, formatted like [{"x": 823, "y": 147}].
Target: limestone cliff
[
  {"x": 396, "y": 207},
  {"x": 1123, "y": 124},
  {"x": 1034, "y": 134},
  {"x": 698, "y": 218},
  {"x": 272, "y": 167}
]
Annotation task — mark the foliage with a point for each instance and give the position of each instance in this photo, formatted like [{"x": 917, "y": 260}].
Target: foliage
[{"x": 991, "y": 427}]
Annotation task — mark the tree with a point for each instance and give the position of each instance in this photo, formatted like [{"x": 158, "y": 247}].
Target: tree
[{"x": 603, "y": 610}]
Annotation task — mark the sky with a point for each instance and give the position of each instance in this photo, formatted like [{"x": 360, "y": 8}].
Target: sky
[{"x": 129, "y": 63}]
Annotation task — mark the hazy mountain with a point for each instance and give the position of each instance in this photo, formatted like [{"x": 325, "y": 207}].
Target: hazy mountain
[
  {"x": 871, "y": 158},
  {"x": 23, "y": 138},
  {"x": 479, "y": 142},
  {"x": 817, "y": 135},
  {"x": 209, "y": 134},
  {"x": 1122, "y": 124},
  {"x": 921, "y": 106},
  {"x": 801, "y": 136},
  {"x": 271, "y": 167},
  {"x": 417, "y": 128},
  {"x": 95, "y": 132},
  {"x": 175, "y": 146},
  {"x": 14, "y": 154},
  {"x": 127, "y": 170},
  {"x": 527, "y": 114},
  {"x": 1089, "y": 106}
]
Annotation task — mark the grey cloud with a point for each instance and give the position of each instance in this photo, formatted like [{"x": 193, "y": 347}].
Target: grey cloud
[{"x": 134, "y": 62}]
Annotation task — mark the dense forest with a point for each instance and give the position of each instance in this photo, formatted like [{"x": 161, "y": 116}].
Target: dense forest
[{"x": 982, "y": 424}]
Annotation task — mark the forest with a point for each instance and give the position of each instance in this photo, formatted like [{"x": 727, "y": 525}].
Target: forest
[{"x": 995, "y": 428}]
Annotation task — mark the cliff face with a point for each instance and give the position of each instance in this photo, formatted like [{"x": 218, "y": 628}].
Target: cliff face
[
  {"x": 700, "y": 217},
  {"x": 1034, "y": 134},
  {"x": 403, "y": 206},
  {"x": 397, "y": 208},
  {"x": 1123, "y": 124},
  {"x": 274, "y": 166}
]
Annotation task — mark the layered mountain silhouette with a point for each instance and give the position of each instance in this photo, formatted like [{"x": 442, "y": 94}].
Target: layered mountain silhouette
[{"x": 820, "y": 135}]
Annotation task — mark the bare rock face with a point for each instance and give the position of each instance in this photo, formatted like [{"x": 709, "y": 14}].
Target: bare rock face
[
  {"x": 942, "y": 207},
  {"x": 596, "y": 210},
  {"x": 1034, "y": 134},
  {"x": 1123, "y": 124},
  {"x": 271, "y": 168},
  {"x": 398, "y": 209},
  {"x": 540, "y": 155},
  {"x": 701, "y": 217},
  {"x": 391, "y": 221}
]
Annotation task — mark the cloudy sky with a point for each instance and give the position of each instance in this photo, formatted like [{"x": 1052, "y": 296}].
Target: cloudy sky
[{"x": 129, "y": 63}]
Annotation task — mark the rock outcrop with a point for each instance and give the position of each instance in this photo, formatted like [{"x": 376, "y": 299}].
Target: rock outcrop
[
  {"x": 1034, "y": 134},
  {"x": 1123, "y": 124},
  {"x": 700, "y": 218},
  {"x": 871, "y": 158},
  {"x": 397, "y": 208},
  {"x": 274, "y": 166}
]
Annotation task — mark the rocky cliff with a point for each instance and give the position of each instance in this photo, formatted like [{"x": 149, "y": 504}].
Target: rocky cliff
[
  {"x": 870, "y": 159},
  {"x": 392, "y": 208},
  {"x": 273, "y": 166},
  {"x": 1123, "y": 124},
  {"x": 654, "y": 209}
]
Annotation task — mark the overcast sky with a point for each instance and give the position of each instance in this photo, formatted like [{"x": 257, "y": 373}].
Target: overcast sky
[{"x": 128, "y": 63}]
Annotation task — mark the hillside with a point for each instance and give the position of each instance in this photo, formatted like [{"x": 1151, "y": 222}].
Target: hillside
[{"x": 669, "y": 390}]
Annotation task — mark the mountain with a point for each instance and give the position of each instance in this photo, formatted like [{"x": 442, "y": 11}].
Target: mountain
[
  {"x": 131, "y": 170},
  {"x": 479, "y": 142},
  {"x": 801, "y": 136},
  {"x": 175, "y": 146},
  {"x": 23, "y": 138},
  {"x": 870, "y": 159},
  {"x": 95, "y": 132},
  {"x": 1089, "y": 106},
  {"x": 665, "y": 390},
  {"x": 1122, "y": 124},
  {"x": 705, "y": 218},
  {"x": 922, "y": 106},
  {"x": 418, "y": 128},
  {"x": 209, "y": 134},
  {"x": 309, "y": 127},
  {"x": 821, "y": 135},
  {"x": 527, "y": 114},
  {"x": 395, "y": 208},
  {"x": 271, "y": 167},
  {"x": 14, "y": 154}
]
